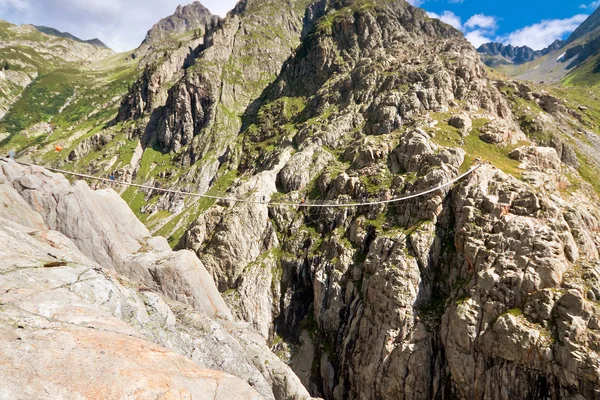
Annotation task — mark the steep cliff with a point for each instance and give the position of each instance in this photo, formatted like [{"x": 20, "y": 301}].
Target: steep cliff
[
  {"x": 486, "y": 289},
  {"x": 411, "y": 300},
  {"x": 80, "y": 272}
]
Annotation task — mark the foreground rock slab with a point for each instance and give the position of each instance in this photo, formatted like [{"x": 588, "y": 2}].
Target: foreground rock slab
[{"x": 72, "y": 327}]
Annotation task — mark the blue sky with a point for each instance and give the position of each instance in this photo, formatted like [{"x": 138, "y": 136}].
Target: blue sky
[
  {"x": 122, "y": 24},
  {"x": 535, "y": 23}
]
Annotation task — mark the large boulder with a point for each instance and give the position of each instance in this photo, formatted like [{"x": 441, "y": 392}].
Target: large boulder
[
  {"x": 539, "y": 158},
  {"x": 106, "y": 230},
  {"x": 501, "y": 132},
  {"x": 55, "y": 324},
  {"x": 462, "y": 122}
]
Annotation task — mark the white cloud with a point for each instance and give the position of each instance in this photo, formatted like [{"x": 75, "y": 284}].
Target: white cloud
[
  {"x": 542, "y": 34},
  {"x": 594, "y": 5},
  {"x": 482, "y": 21},
  {"x": 121, "y": 24},
  {"x": 15, "y": 4},
  {"x": 448, "y": 17},
  {"x": 478, "y": 37},
  {"x": 416, "y": 3},
  {"x": 478, "y": 29},
  {"x": 481, "y": 28}
]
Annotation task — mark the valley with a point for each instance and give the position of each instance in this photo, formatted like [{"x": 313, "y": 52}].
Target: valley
[{"x": 485, "y": 289}]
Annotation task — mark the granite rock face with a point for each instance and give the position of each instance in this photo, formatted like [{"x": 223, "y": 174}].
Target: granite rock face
[
  {"x": 482, "y": 289},
  {"x": 406, "y": 300},
  {"x": 82, "y": 279}
]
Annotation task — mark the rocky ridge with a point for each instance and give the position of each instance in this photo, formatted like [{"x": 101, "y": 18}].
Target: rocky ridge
[
  {"x": 570, "y": 62},
  {"x": 496, "y": 53},
  {"x": 55, "y": 32}
]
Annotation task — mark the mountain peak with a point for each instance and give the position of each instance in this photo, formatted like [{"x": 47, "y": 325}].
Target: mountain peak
[
  {"x": 497, "y": 53},
  {"x": 185, "y": 18}
]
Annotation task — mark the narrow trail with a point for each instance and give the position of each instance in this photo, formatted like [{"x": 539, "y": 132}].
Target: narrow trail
[{"x": 306, "y": 204}]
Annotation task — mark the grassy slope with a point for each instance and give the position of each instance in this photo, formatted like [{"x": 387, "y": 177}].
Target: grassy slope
[{"x": 69, "y": 97}]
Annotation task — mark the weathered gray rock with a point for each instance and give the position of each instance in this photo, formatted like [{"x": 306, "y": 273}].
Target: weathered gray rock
[
  {"x": 539, "y": 158},
  {"x": 462, "y": 122},
  {"x": 50, "y": 285},
  {"x": 501, "y": 132},
  {"x": 108, "y": 232},
  {"x": 56, "y": 325},
  {"x": 302, "y": 168}
]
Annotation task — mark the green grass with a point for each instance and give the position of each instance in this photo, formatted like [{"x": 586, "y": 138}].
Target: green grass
[
  {"x": 582, "y": 96},
  {"x": 586, "y": 74},
  {"x": 326, "y": 22},
  {"x": 515, "y": 312},
  {"x": 474, "y": 147},
  {"x": 40, "y": 101},
  {"x": 589, "y": 174},
  {"x": 177, "y": 226}
]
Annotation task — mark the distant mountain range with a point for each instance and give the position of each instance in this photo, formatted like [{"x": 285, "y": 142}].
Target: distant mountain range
[
  {"x": 55, "y": 32},
  {"x": 498, "y": 53},
  {"x": 576, "y": 60}
]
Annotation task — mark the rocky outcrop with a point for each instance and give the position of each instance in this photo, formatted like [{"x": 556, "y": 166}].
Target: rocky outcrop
[
  {"x": 150, "y": 90},
  {"x": 189, "y": 22},
  {"x": 462, "y": 122},
  {"x": 83, "y": 305},
  {"x": 517, "y": 283},
  {"x": 501, "y": 132},
  {"x": 540, "y": 158},
  {"x": 186, "y": 18},
  {"x": 204, "y": 105},
  {"x": 78, "y": 331},
  {"x": 403, "y": 300}
]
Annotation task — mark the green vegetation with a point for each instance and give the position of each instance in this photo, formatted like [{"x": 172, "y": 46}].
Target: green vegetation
[
  {"x": 515, "y": 312},
  {"x": 586, "y": 74},
  {"x": 589, "y": 174},
  {"x": 176, "y": 227},
  {"x": 40, "y": 101},
  {"x": 326, "y": 23},
  {"x": 446, "y": 135}
]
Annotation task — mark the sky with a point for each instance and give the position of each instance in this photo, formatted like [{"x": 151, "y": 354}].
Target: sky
[{"x": 122, "y": 24}]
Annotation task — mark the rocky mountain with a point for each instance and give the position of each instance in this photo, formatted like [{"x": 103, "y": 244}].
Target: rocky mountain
[
  {"x": 494, "y": 54},
  {"x": 188, "y": 22},
  {"x": 485, "y": 289},
  {"x": 590, "y": 26},
  {"x": 55, "y": 32},
  {"x": 186, "y": 18}
]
